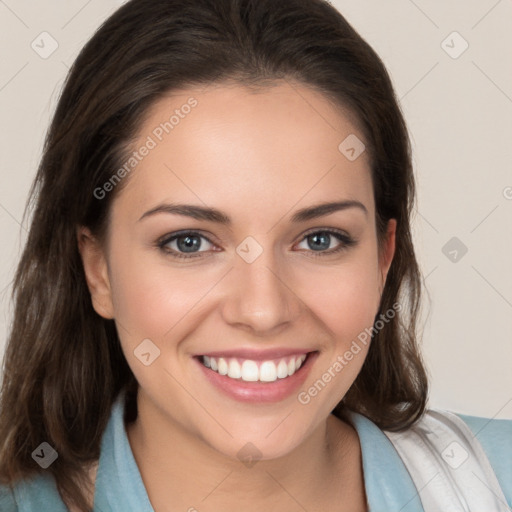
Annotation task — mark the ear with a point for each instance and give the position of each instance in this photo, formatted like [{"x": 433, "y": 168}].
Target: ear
[
  {"x": 96, "y": 272},
  {"x": 387, "y": 251}
]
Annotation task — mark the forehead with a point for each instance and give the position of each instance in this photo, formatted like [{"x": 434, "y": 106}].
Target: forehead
[{"x": 225, "y": 145}]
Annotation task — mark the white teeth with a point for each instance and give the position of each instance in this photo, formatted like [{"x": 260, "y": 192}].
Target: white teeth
[
  {"x": 223, "y": 366},
  {"x": 251, "y": 371},
  {"x": 268, "y": 372},
  {"x": 234, "y": 370},
  {"x": 282, "y": 369}
]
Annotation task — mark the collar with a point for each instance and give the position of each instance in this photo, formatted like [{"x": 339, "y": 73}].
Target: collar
[
  {"x": 119, "y": 486},
  {"x": 389, "y": 486}
]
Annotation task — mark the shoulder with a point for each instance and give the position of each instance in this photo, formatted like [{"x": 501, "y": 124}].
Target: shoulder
[
  {"x": 445, "y": 456},
  {"x": 461, "y": 446},
  {"x": 35, "y": 493},
  {"x": 495, "y": 436},
  {"x": 7, "y": 500},
  {"x": 490, "y": 431}
]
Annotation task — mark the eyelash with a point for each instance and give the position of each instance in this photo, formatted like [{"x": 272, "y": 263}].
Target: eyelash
[{"x": 346, "y": 243}]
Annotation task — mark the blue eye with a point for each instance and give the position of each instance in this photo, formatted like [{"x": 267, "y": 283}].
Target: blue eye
[
  {"x": 187, "y": 244},
  {"x": 320, "y": 242}
]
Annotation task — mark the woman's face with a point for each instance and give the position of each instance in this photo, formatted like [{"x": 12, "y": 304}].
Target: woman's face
[{"x": 264, "y": 276}]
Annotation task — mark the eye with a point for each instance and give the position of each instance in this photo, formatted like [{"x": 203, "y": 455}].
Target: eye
[
  {"x": 191, "y": 244},
  {"x": 184, "y": 244},
  {"x": 321, "y": 241}
]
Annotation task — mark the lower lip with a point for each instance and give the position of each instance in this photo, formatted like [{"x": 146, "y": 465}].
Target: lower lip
[{"x": 259, "y": 392}]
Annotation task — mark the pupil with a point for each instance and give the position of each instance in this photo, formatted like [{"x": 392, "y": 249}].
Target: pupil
[
  {"x": 189, "y": 243},
  {"x": 322, "y": 241}
]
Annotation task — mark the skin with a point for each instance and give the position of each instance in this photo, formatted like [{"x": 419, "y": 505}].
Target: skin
[{"x": 259, "y": 157}]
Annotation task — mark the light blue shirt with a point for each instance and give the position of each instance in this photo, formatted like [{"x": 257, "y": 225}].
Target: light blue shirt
[{"x": 389, "y": 487}]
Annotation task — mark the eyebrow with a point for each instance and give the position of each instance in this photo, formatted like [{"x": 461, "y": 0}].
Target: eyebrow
[{"x": 214, "y": 215}]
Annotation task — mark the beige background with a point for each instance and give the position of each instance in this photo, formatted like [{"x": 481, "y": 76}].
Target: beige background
[{"x": 459, "y": 112}]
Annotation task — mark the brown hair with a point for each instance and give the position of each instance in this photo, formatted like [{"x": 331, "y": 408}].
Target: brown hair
[{"x": 63, "y": 364}]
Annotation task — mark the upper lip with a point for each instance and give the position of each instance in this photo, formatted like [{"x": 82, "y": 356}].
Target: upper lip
[{"x": 257, "y": 354}]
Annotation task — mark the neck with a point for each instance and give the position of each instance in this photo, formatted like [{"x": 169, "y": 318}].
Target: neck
[{"x": 179, "y": 467}]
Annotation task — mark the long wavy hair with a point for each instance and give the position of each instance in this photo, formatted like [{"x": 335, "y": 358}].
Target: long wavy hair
[{"x": 63, "y": 365}]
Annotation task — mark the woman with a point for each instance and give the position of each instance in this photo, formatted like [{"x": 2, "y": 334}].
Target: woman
[{"x": 216, "y": 306}]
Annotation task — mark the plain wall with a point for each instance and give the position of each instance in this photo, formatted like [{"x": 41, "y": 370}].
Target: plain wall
[{"x": 459, "y": 112}]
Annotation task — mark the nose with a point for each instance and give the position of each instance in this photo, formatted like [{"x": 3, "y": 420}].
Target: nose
[{"x": 261, "y": 298}]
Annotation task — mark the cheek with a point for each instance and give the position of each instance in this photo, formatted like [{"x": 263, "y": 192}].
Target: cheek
[
  {"x": 346, "y": 300},
  {"x": 150, "y": 298}
]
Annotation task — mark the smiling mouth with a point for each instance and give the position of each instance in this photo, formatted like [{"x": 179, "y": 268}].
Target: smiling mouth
[{"x": 248, "y": 370}]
